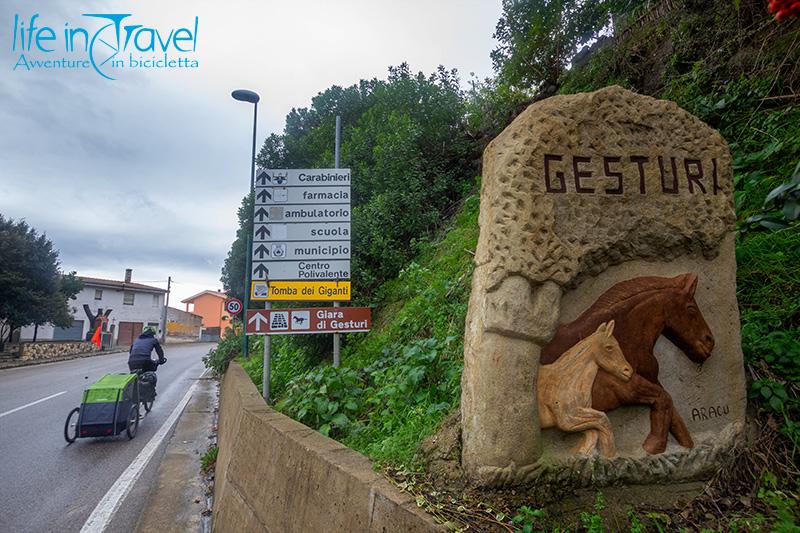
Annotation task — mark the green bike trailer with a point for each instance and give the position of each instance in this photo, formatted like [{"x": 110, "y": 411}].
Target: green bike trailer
[{"x": 107, "y": 406}]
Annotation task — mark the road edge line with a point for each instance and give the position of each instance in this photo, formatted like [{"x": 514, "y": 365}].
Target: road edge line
[{"x": 20, "y": 408}]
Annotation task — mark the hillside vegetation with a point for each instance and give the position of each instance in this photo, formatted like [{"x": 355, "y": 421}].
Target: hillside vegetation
[{"x": 414, "y": 143}]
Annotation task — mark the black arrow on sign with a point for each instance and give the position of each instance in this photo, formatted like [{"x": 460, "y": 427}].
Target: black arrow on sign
[
  {"x": 263, "y": 177},
  {"x": 262, "y": 214},
  {"x": 262, "y": 232},
  {"x": 263, "y": 195},
  {"x": 261, "y": 251},
  {"x": 261, "y": 270}
]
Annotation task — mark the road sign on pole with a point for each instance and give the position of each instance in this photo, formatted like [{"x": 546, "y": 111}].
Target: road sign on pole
[
  {"x": 308, "y": 320},
  {"x": 233, "y": 306},
  {"x": 301, "y": 227},
  {"x": 291, "y": 291}
]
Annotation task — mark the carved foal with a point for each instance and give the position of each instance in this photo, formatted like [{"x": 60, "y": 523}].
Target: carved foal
[{"x": 564, "y": 389}]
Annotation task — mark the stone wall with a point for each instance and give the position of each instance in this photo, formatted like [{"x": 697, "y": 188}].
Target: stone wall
[
  {"x": 275, "y": 474},
  {"x": 53, "y": 349}
]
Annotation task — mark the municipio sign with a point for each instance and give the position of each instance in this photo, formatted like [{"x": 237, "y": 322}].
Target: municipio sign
[{"x": 308, "y": 320}]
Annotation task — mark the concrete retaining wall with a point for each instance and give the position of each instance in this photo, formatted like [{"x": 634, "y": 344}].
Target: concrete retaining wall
[
  {"x": 52, "y": 349},
  {"x": 277, "y": 475}
]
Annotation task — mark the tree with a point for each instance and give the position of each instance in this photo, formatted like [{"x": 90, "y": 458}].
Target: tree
[
  {"x": 538, "y": 38},
  {"x": 32, "y": 288},
  {"x": 233, "y": 269},
  {"x": 404, "y": 138}
]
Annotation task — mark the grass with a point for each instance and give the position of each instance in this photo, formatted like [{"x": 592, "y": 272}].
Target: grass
[
  {"x": 209, "y": 459},
  {"x": 398, "y": 382}
]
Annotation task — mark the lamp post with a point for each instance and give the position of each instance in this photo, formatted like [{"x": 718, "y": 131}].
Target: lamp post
[{"x": 244, "y": 95}]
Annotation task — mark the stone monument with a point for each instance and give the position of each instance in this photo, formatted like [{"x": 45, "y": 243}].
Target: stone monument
[{"x": 602, "y": 339}]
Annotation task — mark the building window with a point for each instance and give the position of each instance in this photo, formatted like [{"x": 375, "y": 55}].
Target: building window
[
  {"x": 98, "y": 294},
  {"x": 155, "y": 300},
  {"x": 127, "y": 298}
]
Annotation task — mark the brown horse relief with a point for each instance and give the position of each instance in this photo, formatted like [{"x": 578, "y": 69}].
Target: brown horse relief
[{"x": 583, "y": 355}]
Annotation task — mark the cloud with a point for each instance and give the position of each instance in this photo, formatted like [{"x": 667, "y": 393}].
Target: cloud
[{"x": 148, "y": 171}]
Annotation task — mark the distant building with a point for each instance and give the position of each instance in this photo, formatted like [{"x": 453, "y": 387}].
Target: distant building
[
  {"x": 183, "y": 325},
  {"x": 128, "y": 306},
  {"x": 211, "y": 306}
]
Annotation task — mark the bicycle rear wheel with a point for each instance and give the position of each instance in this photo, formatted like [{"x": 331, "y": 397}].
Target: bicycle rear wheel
[
  {"x": 71, "y": 425},
  {"x": 133, "y": 421}
]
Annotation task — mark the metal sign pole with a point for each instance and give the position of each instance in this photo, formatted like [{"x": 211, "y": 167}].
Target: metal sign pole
[
  {"x": 337, "y": 341},
  {"x": 249, "y": 264},
  {"x": 267, "y": 367}
]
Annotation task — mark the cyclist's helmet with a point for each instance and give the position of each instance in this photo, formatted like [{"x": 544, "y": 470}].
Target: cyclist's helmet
[{"x": 149, "y": 329}]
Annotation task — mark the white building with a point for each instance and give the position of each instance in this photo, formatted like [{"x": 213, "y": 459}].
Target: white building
[{"x": 128, "y": 306}]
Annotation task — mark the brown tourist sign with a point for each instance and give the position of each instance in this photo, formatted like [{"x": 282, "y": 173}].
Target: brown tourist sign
[{"x": 308, "y": 320}]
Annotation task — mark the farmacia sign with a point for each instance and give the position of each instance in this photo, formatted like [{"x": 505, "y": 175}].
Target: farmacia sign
[{"x": 106, "y": 43}]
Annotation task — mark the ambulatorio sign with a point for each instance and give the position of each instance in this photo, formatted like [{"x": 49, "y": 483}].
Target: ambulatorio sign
[{"x": 105, "y": 43}]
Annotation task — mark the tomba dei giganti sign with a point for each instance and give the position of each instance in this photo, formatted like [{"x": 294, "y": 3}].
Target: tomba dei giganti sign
[{"x": 602, "y": 332}]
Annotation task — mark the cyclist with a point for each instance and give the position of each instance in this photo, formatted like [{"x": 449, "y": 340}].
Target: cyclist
[{"x": 141, "y": 349}]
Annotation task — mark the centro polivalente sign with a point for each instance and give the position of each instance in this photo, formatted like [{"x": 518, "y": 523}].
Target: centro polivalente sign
[{"x": 104, "y": 43}]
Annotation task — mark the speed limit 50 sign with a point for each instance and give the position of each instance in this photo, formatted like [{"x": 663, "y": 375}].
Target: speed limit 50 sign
[{"x": 234, "y": 306}]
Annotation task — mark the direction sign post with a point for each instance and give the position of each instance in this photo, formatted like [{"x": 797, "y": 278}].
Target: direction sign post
[
  {"x": 337, "y": 342},
  {"x": 301, "y": 238}
]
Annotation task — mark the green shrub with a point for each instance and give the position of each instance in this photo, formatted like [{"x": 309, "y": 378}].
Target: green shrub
[
  {"x": 324, "y": 398},
  {"x": 228, "y": 348}
]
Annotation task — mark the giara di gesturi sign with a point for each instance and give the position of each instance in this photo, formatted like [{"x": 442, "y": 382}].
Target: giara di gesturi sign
[{"x": 106, "y": 44}]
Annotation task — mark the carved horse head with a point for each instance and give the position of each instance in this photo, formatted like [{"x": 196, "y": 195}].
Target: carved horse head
[
  {"x": 607, "y": 353},
  {"x": 685, "y": 325}
]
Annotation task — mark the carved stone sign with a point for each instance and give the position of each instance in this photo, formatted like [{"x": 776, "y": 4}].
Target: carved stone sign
[{"x": 602, "y": 340}]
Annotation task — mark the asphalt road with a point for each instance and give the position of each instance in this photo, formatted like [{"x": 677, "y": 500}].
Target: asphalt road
[{"x": 46, "y": 485}]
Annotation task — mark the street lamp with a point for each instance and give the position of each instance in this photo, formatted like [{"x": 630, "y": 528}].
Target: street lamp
[{"x": 244, "y": 95}]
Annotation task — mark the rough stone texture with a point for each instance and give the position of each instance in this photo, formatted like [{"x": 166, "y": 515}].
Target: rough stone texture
[
  {"x": 275, "y": 474},
  {"x": 544, "y": 254},
  {"x": 566, "y": 237},
  {"x": 51, "y": 349}
]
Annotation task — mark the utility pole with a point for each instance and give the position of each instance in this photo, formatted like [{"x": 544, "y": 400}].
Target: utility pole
[
  {"x": 165, "y": 312},
  {"x": 244, "y": 95}
]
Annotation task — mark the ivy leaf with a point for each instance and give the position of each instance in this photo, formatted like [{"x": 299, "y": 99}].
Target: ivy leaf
[
  {"x": 340, "y": 419},
  {"x": 776, "y": 403}
]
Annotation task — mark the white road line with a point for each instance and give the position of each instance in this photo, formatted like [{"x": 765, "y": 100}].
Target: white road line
[
  {"x": 32, "y": 403},
  {"x": 104, "y": 512}
]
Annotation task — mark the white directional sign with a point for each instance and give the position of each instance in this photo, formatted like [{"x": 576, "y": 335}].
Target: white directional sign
[
  {"x": 301, "y": 270},
  {"x": 294, "y": 177},
  {"x": 264, "y": 251},
  {"x": 301, "y": 225},
  {"x": 300, "y": 231},
  {"x": 302, "y": 195},
  {"x": 302, "y": 213}
]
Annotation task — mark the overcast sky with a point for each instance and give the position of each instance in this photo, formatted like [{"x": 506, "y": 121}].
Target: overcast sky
[{"x": 147, "y": 171}]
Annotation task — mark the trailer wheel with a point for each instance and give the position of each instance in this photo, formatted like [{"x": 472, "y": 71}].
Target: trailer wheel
[
  {"x": 71, "y": 425},
  {"x": 133, "y": 421}
]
